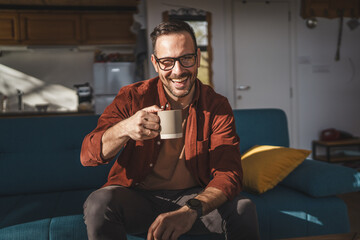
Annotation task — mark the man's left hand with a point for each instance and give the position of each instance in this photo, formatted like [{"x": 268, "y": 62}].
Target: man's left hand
[{"x": 171, "y": 225}]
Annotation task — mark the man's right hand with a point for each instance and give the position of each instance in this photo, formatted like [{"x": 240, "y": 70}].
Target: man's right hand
[{"x": 143, "y": 125}]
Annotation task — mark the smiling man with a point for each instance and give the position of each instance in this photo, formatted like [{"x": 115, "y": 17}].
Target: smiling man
[
  {"x": 168, "y": 187},
  {"x": 178, "y": 79}
]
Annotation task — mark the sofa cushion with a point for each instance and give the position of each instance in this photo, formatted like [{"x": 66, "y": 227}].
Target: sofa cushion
[
  {"x": 286, "y": 213},
  {"x": 34, "y": 230},
  {"x": 68, "y": 227},
  {"x": 320, "y": 179},
  {"x": 22, "y": 209},
  {"x": 265, "y": 166},
  {"x": 57, "y": 228}
]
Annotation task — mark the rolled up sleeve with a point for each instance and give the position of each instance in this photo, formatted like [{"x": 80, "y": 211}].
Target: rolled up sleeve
[
  {"x": 91, "y": 149},
  {"x": 117, "y": 111}
]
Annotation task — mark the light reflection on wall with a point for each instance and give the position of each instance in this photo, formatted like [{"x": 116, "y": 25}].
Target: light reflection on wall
[{"x": 58, "y": 97}]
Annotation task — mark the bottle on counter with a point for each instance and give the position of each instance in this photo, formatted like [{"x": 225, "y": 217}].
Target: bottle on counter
[{"x": 3, "y": 103}]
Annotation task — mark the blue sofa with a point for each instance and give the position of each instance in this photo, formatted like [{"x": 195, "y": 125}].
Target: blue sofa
[{"x": 43, "y": 185}]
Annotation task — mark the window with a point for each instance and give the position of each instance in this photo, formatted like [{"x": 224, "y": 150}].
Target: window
[{"x": 200, "y": 21}]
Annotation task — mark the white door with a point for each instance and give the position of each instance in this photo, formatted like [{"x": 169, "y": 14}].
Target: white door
[{"x": 262, "y": 55}]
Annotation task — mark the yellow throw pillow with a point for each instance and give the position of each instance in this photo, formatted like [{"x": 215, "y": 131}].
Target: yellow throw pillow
[{"x": 265, "y": 166}]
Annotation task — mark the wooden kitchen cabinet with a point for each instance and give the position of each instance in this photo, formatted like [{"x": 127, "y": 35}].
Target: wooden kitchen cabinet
[
  {"x": 9, "y": 28},
  {"x": 49, "y": 28},
  {"x": 107, "y": 28}
]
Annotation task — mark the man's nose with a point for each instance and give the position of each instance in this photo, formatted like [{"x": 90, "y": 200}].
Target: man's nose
[{"x": 177, "y": 67}]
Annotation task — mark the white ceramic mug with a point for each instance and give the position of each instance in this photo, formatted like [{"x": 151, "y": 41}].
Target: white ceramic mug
[{"x": 171, "y": 124}]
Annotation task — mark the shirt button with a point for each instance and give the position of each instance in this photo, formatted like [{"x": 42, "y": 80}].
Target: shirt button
[
  {"x": 151, "y": 165},
  {"x": 158, "y": 142}
]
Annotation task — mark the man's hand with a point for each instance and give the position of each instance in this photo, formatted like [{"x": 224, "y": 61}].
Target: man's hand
[
  {"x": 144, "y": 124},
  {"x": 171, "y": 225}
]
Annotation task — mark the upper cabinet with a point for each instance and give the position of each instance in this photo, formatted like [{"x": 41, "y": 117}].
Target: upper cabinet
[
  {"x": 49, "y": 28},
  {"x": 9, "y": 28},
  {"x": 99, "y": 28},
  {"x": 53, "y": 27}
]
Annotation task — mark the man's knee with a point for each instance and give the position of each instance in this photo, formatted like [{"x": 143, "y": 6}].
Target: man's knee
[
  {"x": 241, "y": 221},
  {"x": 239, "y": 206},
  {"x": 101, "y": 215},
  {"x": 245, "y": 207},
  {"x": 98, "y": 203}
]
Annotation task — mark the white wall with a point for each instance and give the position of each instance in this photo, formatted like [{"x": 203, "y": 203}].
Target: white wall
[{"x": 328, "y": 90}]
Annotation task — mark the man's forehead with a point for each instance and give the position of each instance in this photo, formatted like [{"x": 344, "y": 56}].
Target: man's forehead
[{"x": 172, "y": 41}]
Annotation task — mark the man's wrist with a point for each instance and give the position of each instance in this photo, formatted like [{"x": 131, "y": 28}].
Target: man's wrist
[
  {"x": 195, "y": 205},
  {"x": 122, "y": 130}
]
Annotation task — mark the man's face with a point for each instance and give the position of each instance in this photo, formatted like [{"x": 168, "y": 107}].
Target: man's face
[{"x": 178, "y": 81}]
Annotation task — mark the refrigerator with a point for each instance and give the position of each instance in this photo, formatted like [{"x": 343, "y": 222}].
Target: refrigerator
[{"x": 109, "y": 78}]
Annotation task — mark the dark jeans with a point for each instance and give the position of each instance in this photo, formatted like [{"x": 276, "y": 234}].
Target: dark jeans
[{"x": 113, "y": 211}]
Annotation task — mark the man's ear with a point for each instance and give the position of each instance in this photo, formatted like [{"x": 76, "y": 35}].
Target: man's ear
[
  {"x": 198, "y": 57},
  {"x": 153, "y": 60}
]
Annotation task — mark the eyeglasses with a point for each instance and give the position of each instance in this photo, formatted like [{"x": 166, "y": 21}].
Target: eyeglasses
[{"x": 168, "y": 63}]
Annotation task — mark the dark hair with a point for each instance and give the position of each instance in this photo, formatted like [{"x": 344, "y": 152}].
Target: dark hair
[{"x": 173, "y": 26}]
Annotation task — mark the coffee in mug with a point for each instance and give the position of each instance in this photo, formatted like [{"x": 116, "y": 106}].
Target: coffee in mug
[{"x": 171, "y": 124}]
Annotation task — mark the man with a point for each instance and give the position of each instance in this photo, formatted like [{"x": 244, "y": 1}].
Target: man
[{"x": 174, "y": 186}]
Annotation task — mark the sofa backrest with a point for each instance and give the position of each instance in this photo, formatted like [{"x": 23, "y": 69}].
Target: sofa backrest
[
  {"x": 42, "y": 154},
  {"x": 261, "y": 127}
]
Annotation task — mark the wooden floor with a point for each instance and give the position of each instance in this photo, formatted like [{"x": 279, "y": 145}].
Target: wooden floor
[{"x": 352, "y": 201}]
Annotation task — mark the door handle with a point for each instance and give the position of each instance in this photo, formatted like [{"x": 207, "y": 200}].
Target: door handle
[{"x": 243, "y": 88}]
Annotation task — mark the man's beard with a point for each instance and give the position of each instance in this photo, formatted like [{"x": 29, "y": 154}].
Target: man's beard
[{"x": 187, "y": 91}]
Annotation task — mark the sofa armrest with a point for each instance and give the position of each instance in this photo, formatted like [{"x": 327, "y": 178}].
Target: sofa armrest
[{"x": 320, "y": 179}]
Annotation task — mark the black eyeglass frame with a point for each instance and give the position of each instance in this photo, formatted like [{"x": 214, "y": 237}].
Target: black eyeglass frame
[{"x": 176, "y": 59}]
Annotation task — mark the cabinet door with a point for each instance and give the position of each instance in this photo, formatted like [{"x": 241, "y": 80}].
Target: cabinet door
[
  {"x": 46, "y": 28},
  {"x": 107, "y": 28},
  {"x": 9, "y": 28}
]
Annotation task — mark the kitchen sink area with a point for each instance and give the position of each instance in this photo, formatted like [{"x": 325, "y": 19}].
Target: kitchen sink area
[
  {"x": 24, "y": 95},
  {"x": 60, "y": 81}
]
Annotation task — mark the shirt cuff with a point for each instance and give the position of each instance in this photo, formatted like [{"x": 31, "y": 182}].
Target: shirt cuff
[{"x": 227, "y": 185}]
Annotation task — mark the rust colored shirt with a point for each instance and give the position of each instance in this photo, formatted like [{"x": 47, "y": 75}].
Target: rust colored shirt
[{"x": 211, "y": 144}]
